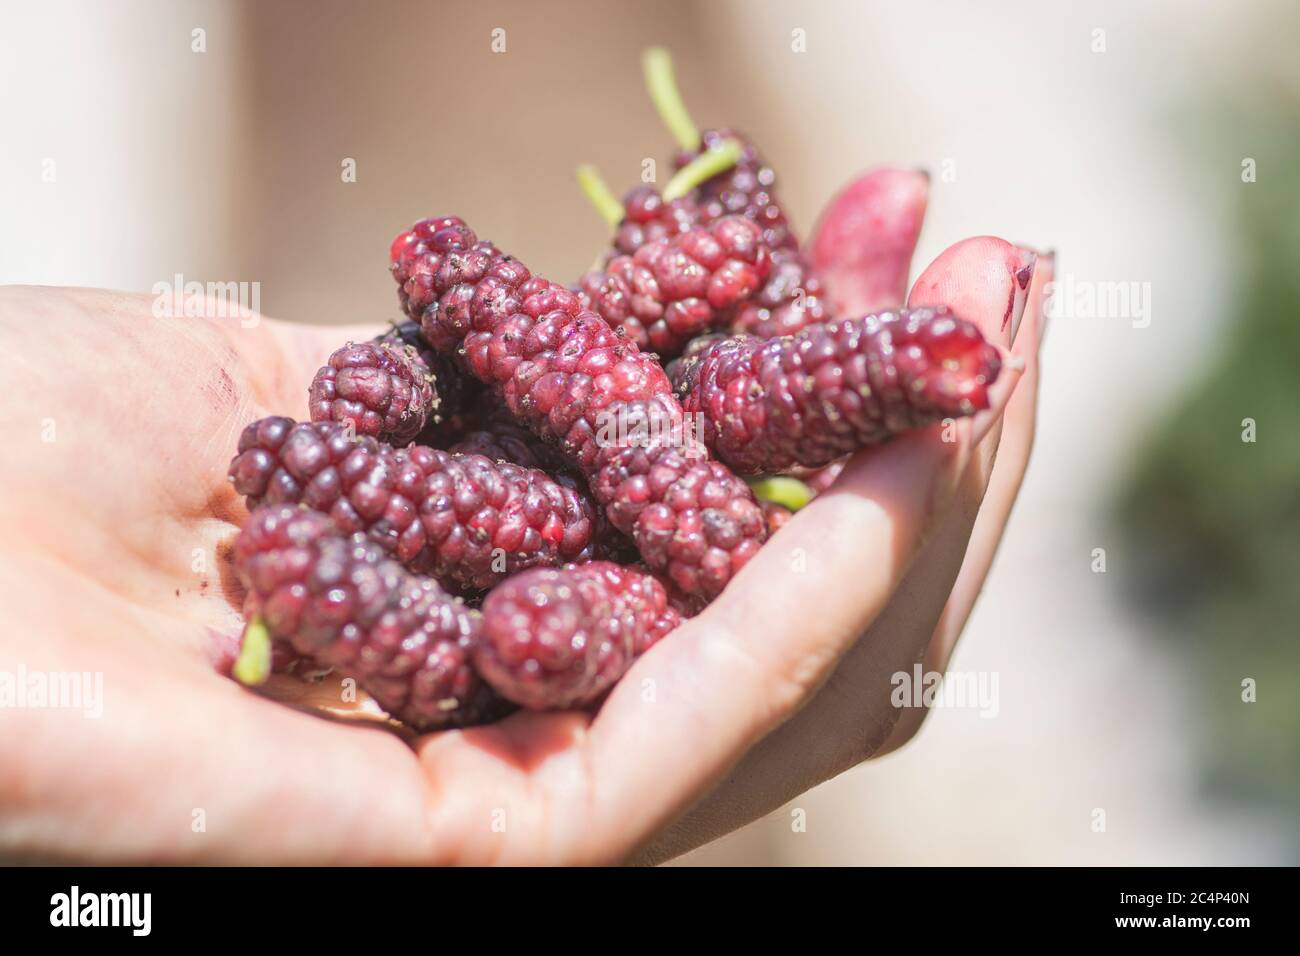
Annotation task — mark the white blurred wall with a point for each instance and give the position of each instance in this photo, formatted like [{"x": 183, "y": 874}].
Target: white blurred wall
[{"x": 143, "y": 134}]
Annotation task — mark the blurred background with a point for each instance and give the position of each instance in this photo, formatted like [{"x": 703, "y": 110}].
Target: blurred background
[{"x": 1150, "y": 144}]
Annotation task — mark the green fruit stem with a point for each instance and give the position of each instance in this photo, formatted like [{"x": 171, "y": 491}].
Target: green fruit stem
[
  {"x": 598, "y": 193},
  {"x": 253, "y": 666},
  {"x": 661, "y": 84},
  {"x": 703, "y": 168},
  {"x": 783, "y": 490}
]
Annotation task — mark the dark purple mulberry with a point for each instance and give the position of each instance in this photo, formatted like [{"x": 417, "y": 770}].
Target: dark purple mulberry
[
  {"x": 566, "y": 375},
  {"x": 342, "y": 602},
  {"x": 747, "y": 189},
  {"x": 556, "y": 638},
  {"x": 384, "y": 391},
  {"x": 464, "y": 519},
  {"x": 831, "y": 389},
  {"x": 674, "y": 288}
]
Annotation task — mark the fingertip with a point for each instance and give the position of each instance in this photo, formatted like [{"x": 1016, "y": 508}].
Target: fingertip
[
  {"x": 863, "y": 241},
  {"x": 983, "y": 279}
]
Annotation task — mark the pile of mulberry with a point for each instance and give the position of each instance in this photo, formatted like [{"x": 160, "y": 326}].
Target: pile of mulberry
[{"x": 508, "y": 498}]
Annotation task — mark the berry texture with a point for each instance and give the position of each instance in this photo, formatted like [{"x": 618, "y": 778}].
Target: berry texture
[
  {"x": 490, "y": 430},
  {"x": 394, "y": 388},
  {"x": 382, "y": 390},
  {"x": 671, "y": 289},
  {"x": 455, "y": 391},
  {"x": 831, "y": 389},
  {"x": 648, "y": 217},
  {"x": 467, "y": 520},
  {"x": 561, "y": 637},
  {"x": 792, "y": 299},
  {"x": 689, "y": 516},
  {"x": 343, "y": 602},
  {"x": 567, "y": 376},
  {"x": 747, "y": 189}
]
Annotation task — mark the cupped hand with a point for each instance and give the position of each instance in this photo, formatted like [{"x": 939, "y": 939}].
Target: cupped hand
[{"x": 119, "y": 427}]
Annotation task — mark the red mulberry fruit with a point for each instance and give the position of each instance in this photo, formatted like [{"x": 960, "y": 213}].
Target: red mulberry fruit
[
  {"x": 832, "y": 389},
  {"x": 792, "y": 299},
  {"x": 557, "y": 638},
  {"x": 464, "y": 519},
  {"x": 747, "y": 189},
  {"x": 648, "y": 217},
  {"x": 566, "y": 375},
  {"x": 342, "y": 602},
  {"x": 382, "y": 390},
  {"x": 673, "y": 288}
]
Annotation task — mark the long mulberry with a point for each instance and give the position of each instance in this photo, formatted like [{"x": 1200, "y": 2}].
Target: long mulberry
[
  {"x": 556, "y": 638},
  {"x": 343, "y": 602},
  {"x": 831, "y": 389},
  {"x": 465, "y": 519}
]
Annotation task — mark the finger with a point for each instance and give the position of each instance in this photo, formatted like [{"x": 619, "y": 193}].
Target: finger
[
  {"x": 165, "y": 761},
  {"x": 763, "y": 648},
  {"x": 862, "y": 245},
  {"x": 967, "y": 274},
  {"x": 1006, "y": 479},
  {"x": 982, "y": 520},
  {"x": 852, "y": 716},
  {"x": 969, "y": 278}
]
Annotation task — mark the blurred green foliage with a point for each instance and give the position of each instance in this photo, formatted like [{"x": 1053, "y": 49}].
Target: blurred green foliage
[{"x": 1212, "y": 523}]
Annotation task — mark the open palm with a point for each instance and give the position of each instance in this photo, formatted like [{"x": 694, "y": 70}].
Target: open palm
[{"x": 119, "y": 428}]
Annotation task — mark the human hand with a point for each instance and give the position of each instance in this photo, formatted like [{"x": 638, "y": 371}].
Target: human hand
[{"x": 113, "y": 515}]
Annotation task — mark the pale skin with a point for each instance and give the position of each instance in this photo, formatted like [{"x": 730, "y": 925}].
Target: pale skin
[{"x": 780, "y": 684}]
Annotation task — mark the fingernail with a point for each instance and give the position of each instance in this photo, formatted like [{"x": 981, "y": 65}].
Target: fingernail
[{"x": 1022, "y": 278}]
